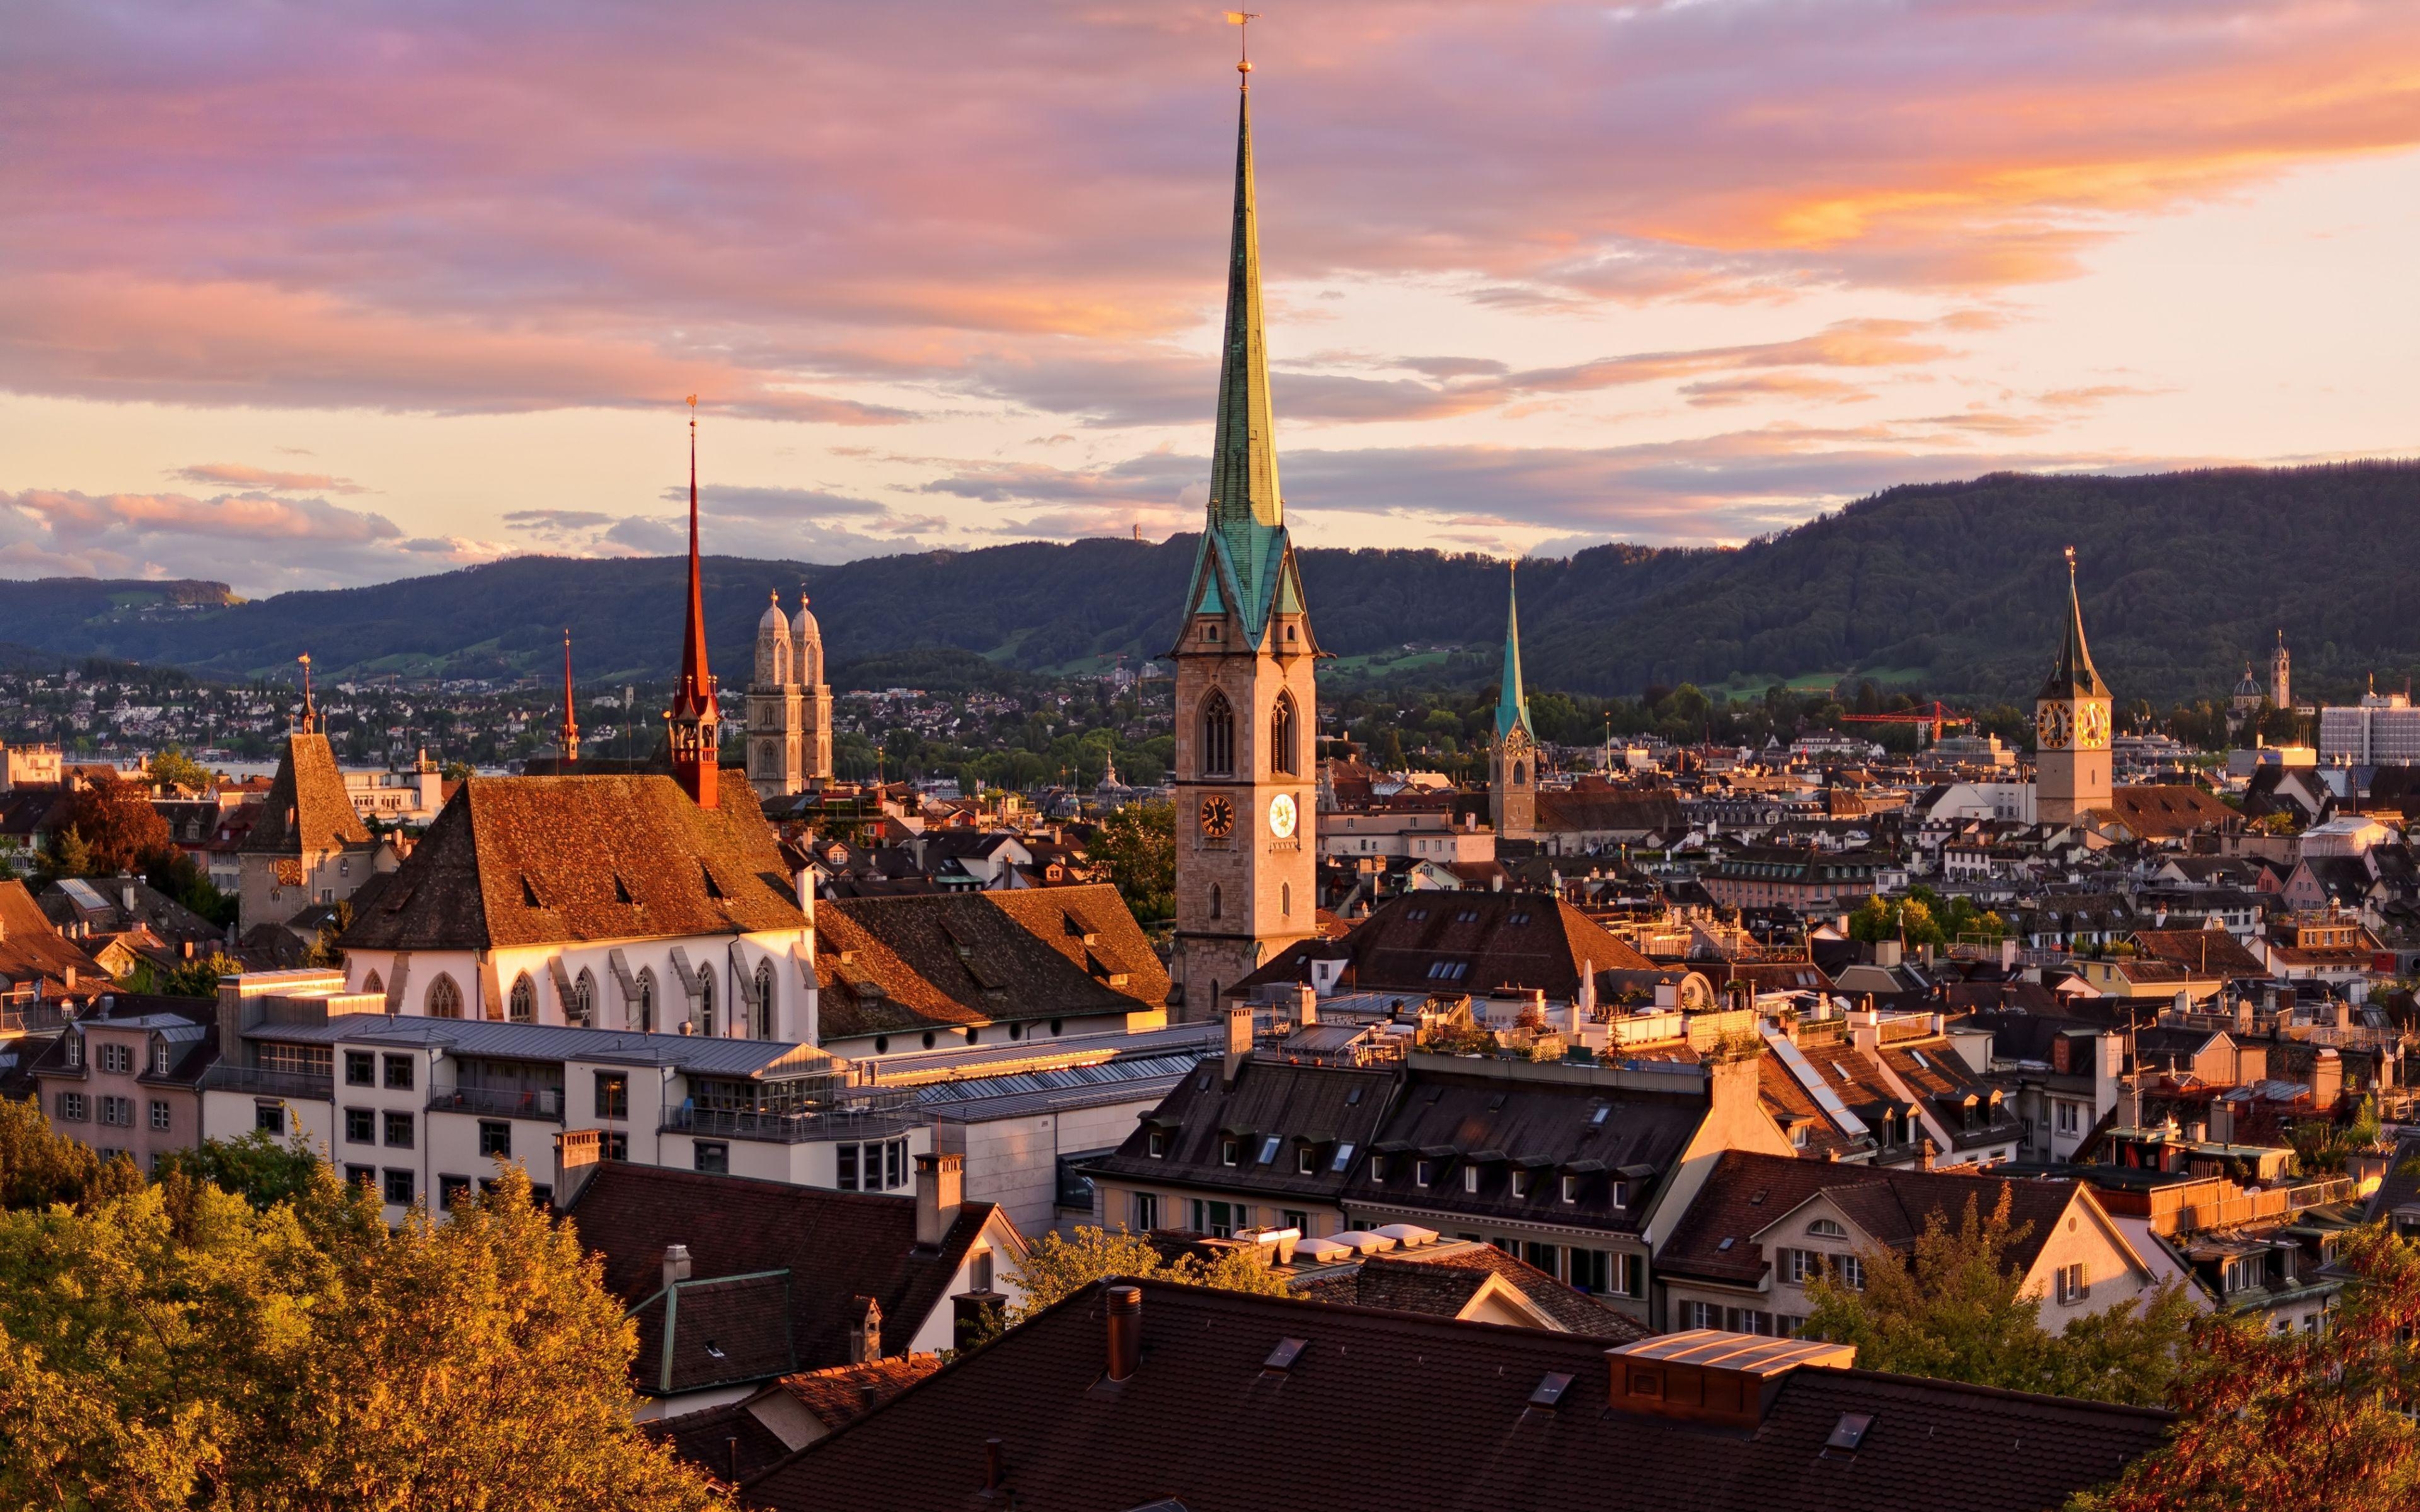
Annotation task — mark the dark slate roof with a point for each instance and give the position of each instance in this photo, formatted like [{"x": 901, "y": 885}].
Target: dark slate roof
[
  {"x": 2401, "y": 1184},
  {"x": 715, "y": 1332},
  {"x": 533, "y": 860},
  {"x": 1744, "y": 1192},
  {"x": 1438, "y": 1416},
  {"x": 836, "y": 1246},
  {"x": 1496, "y": 940},
  {"x": 306, "y": 808},
  {"x": 1441, "y": 1280},
  {"x": 1315, "y": 1105},
  {"x": 704, "y": 1439},
  {"x": 1596, "y": 1129},
  {"x": 705, "y": 1055},
  {"x": 895, "y": 964}
]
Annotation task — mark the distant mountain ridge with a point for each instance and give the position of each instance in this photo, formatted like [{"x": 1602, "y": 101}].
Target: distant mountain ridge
[{"x": 1955, "y": 587}]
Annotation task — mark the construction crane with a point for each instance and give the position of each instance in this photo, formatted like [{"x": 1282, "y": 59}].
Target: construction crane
[{"x": 1937, "y": 715}]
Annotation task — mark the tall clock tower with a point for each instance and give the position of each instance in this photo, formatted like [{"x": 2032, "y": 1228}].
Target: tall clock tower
[
  {"x": 1246, "y": 709},
  {"x": 2071, "y": 726}
]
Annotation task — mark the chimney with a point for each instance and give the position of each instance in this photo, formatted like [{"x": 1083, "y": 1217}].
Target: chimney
[
  {"x": 1306, "y": 1008},
  {"x": 2008, "y": 952},
  {"x": 1239, "y": 1039},
  {"x": 1126, "y": 1331},
  {"x": 125, "y": 898},
  {"x": 576, "y": 1154},
  {"x": 866, "y": 1331},
  {"x": 941, "y": 1187},
  {"x": 675, "y": 1265}
]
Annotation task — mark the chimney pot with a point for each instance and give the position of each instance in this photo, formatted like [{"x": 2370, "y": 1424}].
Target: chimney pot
[
  {"x": 992, "y": 1470},
  {"x": 677, "y": 1264},
  {"x": 1239, "y": 1039},
  {"x": 1126, "y": 1331}
]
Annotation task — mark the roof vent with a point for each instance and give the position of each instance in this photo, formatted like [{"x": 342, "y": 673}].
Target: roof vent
[
  {"x": 621, "y": 889},
  {"x": 1285, "y": 1354},
  {"x": 1549, "y": 1394},
  {"x": 1850, "y": 1431}
]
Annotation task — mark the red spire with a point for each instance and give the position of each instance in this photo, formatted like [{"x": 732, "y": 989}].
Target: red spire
[{"x": 693, "y": 733}]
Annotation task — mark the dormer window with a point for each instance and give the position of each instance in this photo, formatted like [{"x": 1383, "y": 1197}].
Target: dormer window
[
  {"x": 159, "y": 1058},
  {"x": 1306, "y": 1161},
  {"x": 1229, "y": 1151},
  {"x": 1520, "y": 1183},
  {"x": 73, "y": 1044},
  {"x": 1470, "y": 1179},
  {"x": 1421, "y": 1171},
  {"x": 1156, "y": 1142}
]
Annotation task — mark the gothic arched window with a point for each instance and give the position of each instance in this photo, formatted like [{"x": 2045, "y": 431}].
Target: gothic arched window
[
  {"x": 583, "y": 998},
  {"x": 1214, "y": 899},
  {"x": 1281, "y": 738},
  {"x": 1217, "y": 736},
  {"x": 371, "y": 983},
  {"x": 1520, "y": 773},
  {"x": 645, "y": 1005},
  {"x": 705, "y": 1003},
  {"x": 764, "y": 1001},
  {"x": 1285, "y": 897},
  {"x": 525, "y": 1001},
  {"x": 444, "y": 998}
]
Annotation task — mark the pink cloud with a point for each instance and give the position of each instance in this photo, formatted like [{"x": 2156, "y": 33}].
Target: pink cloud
[{"x": 239, "y": 475}]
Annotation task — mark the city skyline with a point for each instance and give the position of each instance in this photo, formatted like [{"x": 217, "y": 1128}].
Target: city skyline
[{"x": 403, "y": 293}]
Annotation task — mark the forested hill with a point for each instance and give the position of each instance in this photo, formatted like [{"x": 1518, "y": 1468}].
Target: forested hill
[{"x": 1955, "y": 588}]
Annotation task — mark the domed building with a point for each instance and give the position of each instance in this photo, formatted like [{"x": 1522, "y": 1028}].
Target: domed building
[{"x": 789, "y": 707}]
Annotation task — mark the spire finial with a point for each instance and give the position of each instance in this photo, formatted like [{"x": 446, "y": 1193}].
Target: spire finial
[
  {"x": 2070, "y": 562},
  {"x": 694, "y": 733},
  {"x": 569, "y": 735},
  {"x": 310, "y": 711},
  {"x": 1242, "y": 21}
]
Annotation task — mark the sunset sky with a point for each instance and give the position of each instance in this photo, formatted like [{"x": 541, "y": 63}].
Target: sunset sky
[{"x": 318, "y": 294}]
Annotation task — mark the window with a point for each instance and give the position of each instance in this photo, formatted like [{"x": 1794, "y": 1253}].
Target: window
[
  {"x": 617, "y": 1147},
  {"x": 117, "y": 1059},
  {"x": 495, "y": 1138},
  {"x": 72, "y": 1107},
  {"x": 1852, "y": 1272},
  {"x": 117, "y": 1112},
  {"x": 613, "y": 1095},
  {"x": 1217, "y": 736},
  {"x": 1421, "y": 1171},
  {"x": 399, "y": 1131},
  {"x": 159, "y": 1058},
  {"x": 371, "y": 985},
  {"x": 1146, "y": 1211},
  {"x": 270, "y": 1117},
  {"x": 1215, "y": 901},
  {"x": 646, "y": 1004},
  {"x": 398, "y": 1073},
  {"x": 583, "y": 998},
  {"x": 361, "y": 1175},
  {"x": 361, "y": 1069},
  {"x": 75, "y": 1044},
  {"x": 401, "y": 1187},
  {"x": 705, "y": 1003},
  {"x": 452, "y": 1189},
  {"x": 1285, "y": 897},
  {"x": 1570, "y": 1187},
  {"x": 160, "y": 1115},
  {"x": 1343, "y": 1157},
  {"x": 2070, "y": 1286},
  {"x": 1306, "y": 1161},
  {"x": 1282, "y": 760},
  {"x": 1155, "y": 1144},
  {"x": 1701, "y": 1315},
  {"x": 444, "y": 998},
  {"x": 1220, "y": 1220},
  {"x": 979, "y": 1271},
  {"x": 2067, "y": 1118},
  {"x": 1827, "y": 1229},
  {"x": 764, "y": 1001},
  {"x": 1520, "y": 1182},
  {"x": 1296, "y": 1220},
  {"x": 1546, "y": 1258},
  {"x": 713, "y": 1157},
  {"x": 1470, "y": 1178},
  {"x": 1209, "y": 630},
  {"x": 895, "y": 1164},
  {"x": 1269, "y": 1150},
  {"x": 845, "y": 1155},
  {"x": 361, "y": 1126},
  {"x": 524, "y": 1000},
  {"x": 1229, "y": 1151}
]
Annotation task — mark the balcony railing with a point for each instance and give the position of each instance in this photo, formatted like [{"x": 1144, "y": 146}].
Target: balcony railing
[
  {"x": 499, "y": 1101},
  {"x": 844, "y": 1122},
  {"x": 21, "y": 1015},
  {"x": 294, "y": 1084}
]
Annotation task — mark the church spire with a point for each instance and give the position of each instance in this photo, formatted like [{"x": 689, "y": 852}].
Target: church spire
[
  {"x": 2073, "y": 675},
  {"x": 1513, "y": 699},
  {"x": 1246, "y": 515},
  {"x": 693, "y": 720},
  {"x": 568, "y": 736}
]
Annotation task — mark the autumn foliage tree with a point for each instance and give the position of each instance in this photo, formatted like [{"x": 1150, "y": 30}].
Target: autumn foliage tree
[
  {"x": 114, "y": 824},
  {"x": 1137, "y": 847}
]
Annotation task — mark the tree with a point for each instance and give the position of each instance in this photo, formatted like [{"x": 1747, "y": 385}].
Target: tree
[
  {"x": 116, "y": 821},
  {"x": 323, "y": 951},
  {"x": 1054, "y": 1268},
  {"x": 38, "y": 1167},
  {"x": 175, "y": 874},
  {"x": 1955, "y": 1309},
  {"x": 2305, "y": 1422},
  {"x": 197, "y": 977},
  {"x": 254, "y": 1166},
  {"x": 67, "y": 856},
  {"x": 172, "y": 768},
  {"x": 1137, "y": 847}
]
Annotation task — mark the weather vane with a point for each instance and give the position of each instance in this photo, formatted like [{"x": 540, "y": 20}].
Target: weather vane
[{"x": 1244, "y": 39}]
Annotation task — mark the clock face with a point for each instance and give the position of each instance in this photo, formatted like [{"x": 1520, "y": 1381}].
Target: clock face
[
  {"x": 1217, "y": 816},
  {"x": 1281, "y": 815},
  {"x": 2051, "y": 726},
  {"x": 2092, "y": 726}
]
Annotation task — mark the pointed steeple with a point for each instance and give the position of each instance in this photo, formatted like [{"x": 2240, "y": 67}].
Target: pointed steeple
[
  {"x": 693, "y": 720},
  {"x": 1244, "y": 546},
  {"x": 2072, "y": 674},
  {"x": 1513, "y": 702},
  {"x": 568, "y": 736}
]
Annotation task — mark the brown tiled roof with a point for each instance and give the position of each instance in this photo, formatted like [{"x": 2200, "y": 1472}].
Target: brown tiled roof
[
  {"x": 1440, "y": 1281},
  {"x": 1586, "y": 811},
  {"x": 1783, "y": 1096},
  {"x": 2203, "y": 951},
  {"x": 1744, "y": 1192},
  {"x": 1439, "y": 1416},
  {"x": 837, "y": 1394},
  {"x": 32, "y": 949},
  {"x": 903, "y": 962},
  {"x": 2170, "y": 810},
  {"x": 531, "y": 860},
  {"x": 1524, "y": 940},
  {"x": 837, "y": 1246},
  {"x": 306, "y": 808}
]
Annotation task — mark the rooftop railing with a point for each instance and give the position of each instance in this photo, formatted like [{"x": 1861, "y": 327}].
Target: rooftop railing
[
  {"x": 858, "y": 1118},
  {"x": 499, "y": 1101},
  {"x": 259, "y": 1083}
]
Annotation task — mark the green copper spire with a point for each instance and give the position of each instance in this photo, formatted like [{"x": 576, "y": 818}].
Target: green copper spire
[
  {"x": 1244, "y": 544},
  {"x": 2074, "y": 675},
  {"x": 1513, "y": 703}
]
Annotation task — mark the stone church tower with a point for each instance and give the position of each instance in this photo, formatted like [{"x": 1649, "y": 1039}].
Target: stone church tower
[
  {"x": 789, "y": 707},
  {"x": 2280, "y": 675},
  {"x": 2071, "y": 726},
  {"x": 1246, "y": 709},
  {"x": 1513, "y": 759}
]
